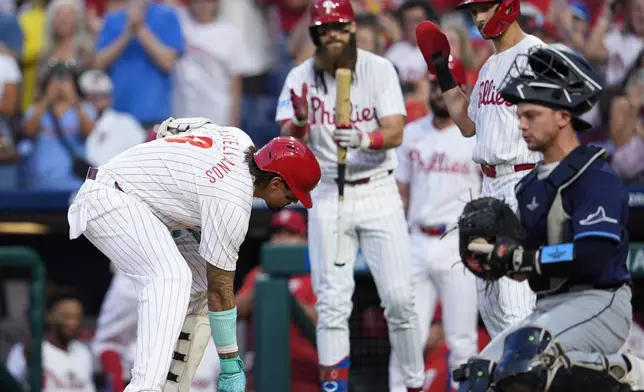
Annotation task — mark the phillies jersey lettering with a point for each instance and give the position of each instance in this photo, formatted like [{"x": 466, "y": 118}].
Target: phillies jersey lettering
[
  {"x": 489, "y": 95},
  {"x": 326, "y": 116},
  {"x": 370, "y": 103},
  {"x": 441, "y": 175},
  {"x": 195, "y": 180},
  {"x": 438, "y": 162},
  {"x": 498, "y": 137}
]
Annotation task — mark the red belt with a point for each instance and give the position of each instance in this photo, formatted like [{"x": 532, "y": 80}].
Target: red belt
[
  {"x": 490, "y": 170},
  {"x": 433, "y": 231},
  {"x": 93, "y": 172}
]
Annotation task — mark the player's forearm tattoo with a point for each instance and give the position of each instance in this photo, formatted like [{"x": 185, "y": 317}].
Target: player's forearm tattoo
[{"x": 221, "y": 295}]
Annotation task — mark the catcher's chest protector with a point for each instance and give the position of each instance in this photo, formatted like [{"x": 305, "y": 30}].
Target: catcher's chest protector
[{"x": 541, "y": 207}]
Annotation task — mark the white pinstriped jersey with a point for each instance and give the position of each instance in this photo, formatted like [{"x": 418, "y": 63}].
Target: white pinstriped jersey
[
  {"x": 196, "y": 180},
  {"x": 375, "y": 94},
  {"x": 437, "y": 165},
  {"x": 498, "y": 137}
]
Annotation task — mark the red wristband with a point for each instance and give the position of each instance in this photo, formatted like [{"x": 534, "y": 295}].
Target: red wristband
[
  {"x": 111, "y": 361},
  {"x": 376, "y": 140},
  {"x": 297, "y": 131}
]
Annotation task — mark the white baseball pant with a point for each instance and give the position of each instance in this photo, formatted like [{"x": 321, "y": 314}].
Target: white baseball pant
[
  {"x": 126, "y": 230},
  {"x": 440, "y": 275},
  {"x": 505, "y": 302},
  {"x": 373, "y": 220}
]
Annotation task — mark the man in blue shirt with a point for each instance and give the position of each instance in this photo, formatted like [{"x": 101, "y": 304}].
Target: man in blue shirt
[
  {"x": 574, "y": 209},
  {"x": 139, "y": 46}
]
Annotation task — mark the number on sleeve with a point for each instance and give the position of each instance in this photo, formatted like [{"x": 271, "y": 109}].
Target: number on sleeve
[{"x": 197, "y": 141}]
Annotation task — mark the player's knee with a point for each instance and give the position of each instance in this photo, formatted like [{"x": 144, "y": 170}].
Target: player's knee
[
  {"x": 332, "y": 314},
  {"x": 475, "y": 375},
  {"x": 399, "y": 306}
]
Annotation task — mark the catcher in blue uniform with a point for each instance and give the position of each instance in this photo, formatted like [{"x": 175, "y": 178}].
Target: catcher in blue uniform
[{"x": 569, "y": 240}]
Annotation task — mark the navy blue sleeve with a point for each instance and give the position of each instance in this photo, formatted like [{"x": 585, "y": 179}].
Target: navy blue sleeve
[
  {"x": 591, "y": 254},
  {"x": 599, "y": 206}
]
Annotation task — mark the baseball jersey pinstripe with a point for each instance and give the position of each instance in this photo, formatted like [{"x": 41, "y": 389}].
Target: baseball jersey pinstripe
[
  {"x": 195, "y": 180},
  {"x": 372, "y": 220},
  {"x": 499, "y": 142},
  {"x": 370, "y": 101},
  {"x": 436, "y": 164},
  {"x": 498, "y": 138}
]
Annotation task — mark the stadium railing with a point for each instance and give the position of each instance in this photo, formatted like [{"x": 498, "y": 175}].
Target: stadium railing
[{"x": 27, "y": 259}]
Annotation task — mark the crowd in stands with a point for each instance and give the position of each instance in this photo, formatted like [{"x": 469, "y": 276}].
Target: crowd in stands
[{"x": 69, "y": 69}]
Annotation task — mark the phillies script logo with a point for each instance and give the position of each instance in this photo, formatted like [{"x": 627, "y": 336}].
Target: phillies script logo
[
  {"x": 438, "y": 162},
  {"x": 327, "y": 116},
  {"x": 489, "y": 96}
]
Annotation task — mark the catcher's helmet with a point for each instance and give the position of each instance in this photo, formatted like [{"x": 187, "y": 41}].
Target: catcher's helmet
[
  {"x": 556, "y": 77},
  {"x": 504, "y": 16},
  {"x": 294, "y": 162},
  {"x": 329, "y": 11}
]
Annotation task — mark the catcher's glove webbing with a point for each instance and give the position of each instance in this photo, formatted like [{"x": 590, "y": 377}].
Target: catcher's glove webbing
[{"x": 487, "y": 218}]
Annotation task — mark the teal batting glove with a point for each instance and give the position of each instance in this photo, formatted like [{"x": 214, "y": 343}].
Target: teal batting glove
[{"x": 232, "y": 377}]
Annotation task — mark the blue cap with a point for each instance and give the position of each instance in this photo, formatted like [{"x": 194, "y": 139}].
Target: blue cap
[{"x": 580, "y": 10}]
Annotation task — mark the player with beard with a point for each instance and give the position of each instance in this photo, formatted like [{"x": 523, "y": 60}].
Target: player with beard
[
  {"x": 436, "y": 177},
  {"x": 67, "y": 364},
  {"x": 373, "y": 218}
]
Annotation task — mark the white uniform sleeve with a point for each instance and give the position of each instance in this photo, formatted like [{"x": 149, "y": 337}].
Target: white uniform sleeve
[
  {"x": 223, "y": 229},
  {"x": 403, "y": 170},
  {"x": 389, "y": 96},
  {"x": 16, "y": 363},
  {"x": 284, "y": 106}
]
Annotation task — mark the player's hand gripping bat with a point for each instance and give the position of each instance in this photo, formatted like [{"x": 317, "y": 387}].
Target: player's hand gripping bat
[{"x": 342, "y": 120}]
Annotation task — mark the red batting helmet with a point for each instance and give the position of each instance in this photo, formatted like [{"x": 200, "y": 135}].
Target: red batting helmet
[
  {"x": 331, "y": 11},
  {"x": 294, "y": 162},
  {"x": 458, "y": 70},
  {"x": 507, "y": 13}
]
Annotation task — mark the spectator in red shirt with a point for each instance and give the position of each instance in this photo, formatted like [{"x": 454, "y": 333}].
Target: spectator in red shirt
[{"x": 288, "y": 227}]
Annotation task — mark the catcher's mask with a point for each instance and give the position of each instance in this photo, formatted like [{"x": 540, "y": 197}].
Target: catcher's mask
[{"x": 555, "y": 77}]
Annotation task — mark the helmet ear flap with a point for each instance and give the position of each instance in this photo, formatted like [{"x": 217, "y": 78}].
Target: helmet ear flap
[{"x": 504, "y": 16}]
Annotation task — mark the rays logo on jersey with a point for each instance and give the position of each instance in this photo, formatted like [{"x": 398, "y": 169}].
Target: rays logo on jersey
[{"x": 284, "y": 102}]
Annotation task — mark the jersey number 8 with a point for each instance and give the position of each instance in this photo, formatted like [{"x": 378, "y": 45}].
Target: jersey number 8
[{"x": 197, "y": 141}]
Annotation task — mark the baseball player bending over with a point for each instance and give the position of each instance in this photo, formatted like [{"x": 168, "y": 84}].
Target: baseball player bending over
[
  {"x": 570, "y": 244},
  {"x": 202, "y": 179},
  {"x": 373, "y": 217},
  {"x": 436, "y": 177},
  {"x": 500, "y": 150}
]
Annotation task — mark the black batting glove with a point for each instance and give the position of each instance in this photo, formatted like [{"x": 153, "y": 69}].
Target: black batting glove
[{"x": 443, "y": 73}]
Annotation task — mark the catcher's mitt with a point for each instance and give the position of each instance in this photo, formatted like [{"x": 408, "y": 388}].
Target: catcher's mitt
[{"x": 487, "y": 218}]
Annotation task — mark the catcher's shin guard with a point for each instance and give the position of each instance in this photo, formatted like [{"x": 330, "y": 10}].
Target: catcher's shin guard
[
  {"x": 193, "y": 340},
  {"x": 525, "y": 360},
  {"x": 475, "y": 375}
]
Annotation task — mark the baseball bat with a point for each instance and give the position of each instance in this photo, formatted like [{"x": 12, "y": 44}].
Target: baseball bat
[
  {"x": 481, "y": 248},
  {"x": 342, "y": 119}
]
